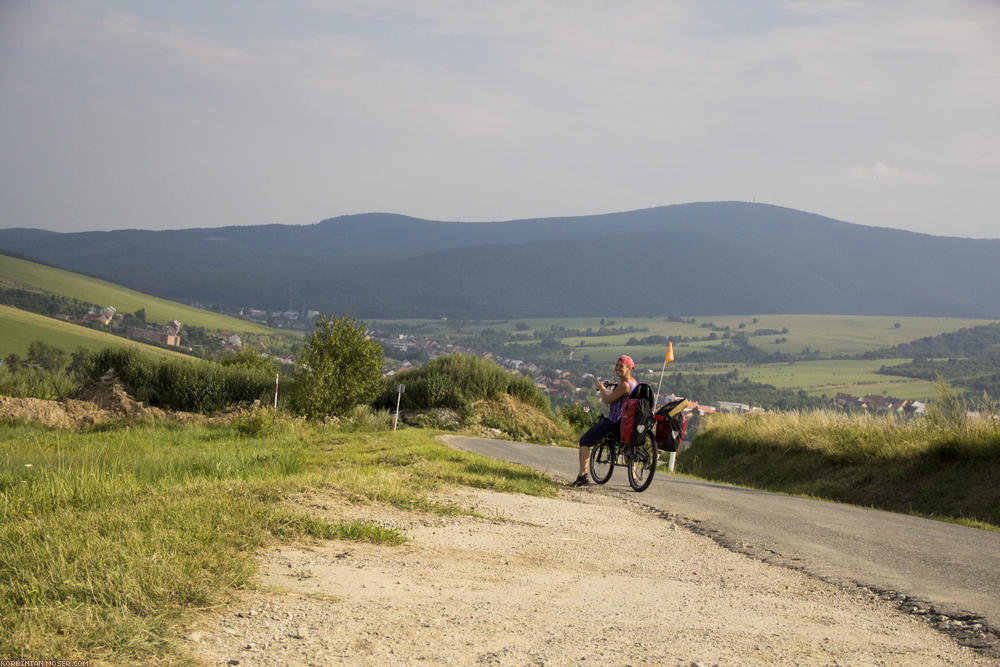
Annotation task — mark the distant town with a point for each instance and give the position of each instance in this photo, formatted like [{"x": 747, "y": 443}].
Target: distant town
[{"x": 561, "y": 386}]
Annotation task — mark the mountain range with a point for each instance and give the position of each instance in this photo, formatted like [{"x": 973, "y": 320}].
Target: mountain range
[{"x": 687, "y": 259}]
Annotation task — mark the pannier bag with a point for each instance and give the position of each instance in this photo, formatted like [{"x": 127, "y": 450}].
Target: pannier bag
[
  {"x": 670, "y": 425},
  {"x": 636, "y": 412}
]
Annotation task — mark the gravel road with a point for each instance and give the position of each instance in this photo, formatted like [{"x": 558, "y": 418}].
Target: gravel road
[{"x": 588, "y": 577}]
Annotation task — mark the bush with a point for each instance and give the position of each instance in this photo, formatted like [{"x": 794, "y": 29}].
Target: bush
[
  {"x": 191, "y": 386},
  {"x": 253, "y": 422},
  {"x": 575, "y": 417},
  {"x": 457, "y": 381},
  {"x": 31, "y": 382},
  {"x": 339, "y": 367},
  {"x": 364, "y": 418}
]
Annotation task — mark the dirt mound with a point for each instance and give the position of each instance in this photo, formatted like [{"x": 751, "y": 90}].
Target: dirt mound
[
  {"x": 102, "y": 401},
  {"x": 67, "y": 413},
  {"x": 108, "y": 394}
]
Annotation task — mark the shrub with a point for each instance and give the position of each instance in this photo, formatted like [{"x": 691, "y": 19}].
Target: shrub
[
  {"x": 31, "y": 382},
  {"x": 339, "y": 367},
  {"x": 575, "y": 417},
  {"x": 253, "y": 422},
  {"x": 191, "y": 386},
  {"x": 457, "y": 381},
  {"x": 364, "y": 418}
]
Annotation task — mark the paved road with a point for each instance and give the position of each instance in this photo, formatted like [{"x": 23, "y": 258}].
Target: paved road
[{"x": 953, "y": 569}]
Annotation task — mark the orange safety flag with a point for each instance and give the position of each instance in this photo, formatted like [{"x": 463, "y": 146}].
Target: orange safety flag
[{"x": 670, "y": 352}]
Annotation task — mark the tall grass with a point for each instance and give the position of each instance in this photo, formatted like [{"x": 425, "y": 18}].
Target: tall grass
[
  {"x": 29, "y": 382},
  {"x": 191, "y": 386},
  {"x": 115, "y": 535},
  {"x": 457, "y": 381},
  {"x": 947, "y": 469}
]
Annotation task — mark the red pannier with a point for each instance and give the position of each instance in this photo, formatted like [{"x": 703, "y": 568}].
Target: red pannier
[
  {"x": 670, "y": 425},
  {"x": 636, "y": 411}
]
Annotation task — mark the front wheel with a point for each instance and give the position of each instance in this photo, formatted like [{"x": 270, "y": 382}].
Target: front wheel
[
  {"x": 602, "y": 461},
  {"x": 641, "y": 464}
]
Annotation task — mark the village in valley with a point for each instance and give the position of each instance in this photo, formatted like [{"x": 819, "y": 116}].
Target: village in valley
[
  {"x": 567, "y": 387},
  {"x": 561, "y": 386}
]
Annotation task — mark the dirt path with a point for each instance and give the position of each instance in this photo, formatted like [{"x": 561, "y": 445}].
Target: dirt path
[{"x": 587, "y": 577}]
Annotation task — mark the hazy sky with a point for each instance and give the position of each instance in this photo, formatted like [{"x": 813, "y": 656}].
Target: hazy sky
[{"x": 165, "y": 114}]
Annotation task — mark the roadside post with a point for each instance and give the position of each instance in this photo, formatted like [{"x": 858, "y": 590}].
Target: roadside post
[
  {"x": 399, "y": 394},
  {"x": 276, "y": 375},
  {"x": 666, "y": 360}
]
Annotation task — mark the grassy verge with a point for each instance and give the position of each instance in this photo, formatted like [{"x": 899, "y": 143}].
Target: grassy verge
[
  {"x": 949, "y": 472},
  {"x": 116, "y": 535}
]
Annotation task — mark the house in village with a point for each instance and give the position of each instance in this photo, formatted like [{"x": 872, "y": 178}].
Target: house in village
[
  {"x": 103, "y": 316},
  {"x": 163, "y": 336},
  {"x": 731, "y": 407},
  {"x": 874, "y": 402},
  {"x": 231, "y": 341}
]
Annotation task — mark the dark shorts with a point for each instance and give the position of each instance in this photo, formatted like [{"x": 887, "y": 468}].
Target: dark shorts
[{"x": 597, "y": 432}]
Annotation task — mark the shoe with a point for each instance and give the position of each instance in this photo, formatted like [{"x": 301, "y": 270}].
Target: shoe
[{"x": 581, "y": 481}]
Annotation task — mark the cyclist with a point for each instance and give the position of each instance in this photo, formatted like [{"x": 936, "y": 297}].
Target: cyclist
[{"x": 616, "y": 398}]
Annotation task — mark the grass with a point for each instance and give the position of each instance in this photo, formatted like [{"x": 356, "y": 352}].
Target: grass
[
  {"x": 122, "y": 532},
  {"x": 940, "y": 470},
  {"x": 829, "y": 335},
  {"x": 21, "y": 272},
  {"x": 19, "y": 328}
]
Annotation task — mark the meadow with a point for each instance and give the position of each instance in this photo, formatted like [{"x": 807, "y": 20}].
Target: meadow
[
  {"x": 945, "y": 466},
  {"x": 19, "y": 328},
  {"x": 826, "y": 336},
  {"x": 122, "y": 532},
  {"x": 18, "y": 272}
]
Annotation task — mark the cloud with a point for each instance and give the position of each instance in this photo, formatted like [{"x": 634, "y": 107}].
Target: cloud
[
  {"x": 822, "y": 7},
  {"x": 471, "y": 109},
  {"x": 884, "y": 174}
]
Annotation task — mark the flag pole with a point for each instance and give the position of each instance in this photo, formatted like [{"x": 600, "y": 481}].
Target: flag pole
[{"x": 666, "y": 360}]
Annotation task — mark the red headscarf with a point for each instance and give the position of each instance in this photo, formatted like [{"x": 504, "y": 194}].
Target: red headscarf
[{"x": 627, "y": 360}]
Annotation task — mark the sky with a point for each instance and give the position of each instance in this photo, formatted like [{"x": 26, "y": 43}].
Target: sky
[{"x": 147, "y": 114}]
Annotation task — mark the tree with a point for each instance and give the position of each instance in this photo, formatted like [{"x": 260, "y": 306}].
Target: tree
[
  {"x": 46, "y": 356},
  {"x": 339, "y": 368},
  {"x": 249, "y": 357},
  {"x": 78, "y": 361}
]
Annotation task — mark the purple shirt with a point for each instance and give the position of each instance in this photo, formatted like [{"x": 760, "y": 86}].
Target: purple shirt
[{"x": 615, "y": 413}]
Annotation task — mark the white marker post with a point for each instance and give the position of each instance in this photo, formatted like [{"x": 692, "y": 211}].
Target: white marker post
[
  {"x": 666, "y": 360},
  {"x": 400, "y": 389},
  {"x": 276, "y": 376}
]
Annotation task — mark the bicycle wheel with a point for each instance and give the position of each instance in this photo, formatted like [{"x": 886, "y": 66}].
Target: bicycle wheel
[
  {"x": 602, "y": 461},
  {"x": 641, "y": 463}
]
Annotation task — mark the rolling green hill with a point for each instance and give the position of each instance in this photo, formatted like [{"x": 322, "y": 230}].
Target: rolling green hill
[
  {"x": 16, "y": 272},
  {"x": 18, "y": 329},
  {"x": 706, "y": 259}
]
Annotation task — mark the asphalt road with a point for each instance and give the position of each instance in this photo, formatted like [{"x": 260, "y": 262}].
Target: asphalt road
[{"x": 951, "y": 569}]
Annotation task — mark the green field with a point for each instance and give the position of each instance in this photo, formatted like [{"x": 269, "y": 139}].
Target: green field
[
  {"x": 19, "y": 328},
  {"x": 21, "y": 273},
  {"x": 830, "y": 377},
  {"x": 827, "y": 335}
]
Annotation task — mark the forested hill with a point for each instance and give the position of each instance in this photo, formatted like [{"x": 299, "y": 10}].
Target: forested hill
[{"x": 691, "y": 259}]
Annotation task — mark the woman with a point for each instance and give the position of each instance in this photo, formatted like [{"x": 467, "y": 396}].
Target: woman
[{"x": 616, "y": 398}]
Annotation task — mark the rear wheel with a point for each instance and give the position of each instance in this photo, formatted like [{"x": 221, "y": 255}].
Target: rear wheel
[
  {"x": 642, "y": 464},
  {"x": 602, "y": 461}
]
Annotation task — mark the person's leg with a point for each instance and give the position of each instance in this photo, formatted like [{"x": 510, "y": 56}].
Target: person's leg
[
  {"x": 584, "y": 460},
  {"x": 593, "y": 436}
]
